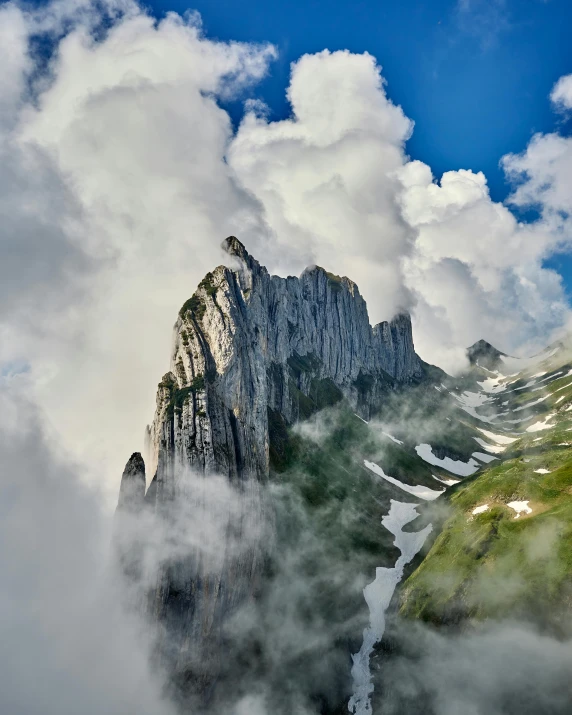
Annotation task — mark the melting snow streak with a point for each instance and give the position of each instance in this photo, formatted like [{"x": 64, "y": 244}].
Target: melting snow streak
[
  {"x": 417, "y": 490},
  {"x": 462, "y": 469},
  {"x": 378, "y": 595}
]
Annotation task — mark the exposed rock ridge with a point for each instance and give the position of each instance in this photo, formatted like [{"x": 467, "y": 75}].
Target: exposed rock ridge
[
  {"x": 247, "y": 342},
  {"x": 132, "y": 489}
]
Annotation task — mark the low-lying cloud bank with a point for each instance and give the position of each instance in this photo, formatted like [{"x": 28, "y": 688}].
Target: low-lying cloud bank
[{"x": 70, "y": 641}]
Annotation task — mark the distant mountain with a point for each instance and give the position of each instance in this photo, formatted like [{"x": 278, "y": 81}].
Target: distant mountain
[
  {"x": 291, "y": 447},
  {"x": 484, "y": 354}
]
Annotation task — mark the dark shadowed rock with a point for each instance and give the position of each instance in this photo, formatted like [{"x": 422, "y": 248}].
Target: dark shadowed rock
[
  {"x": 485, "y": 355},
  {"x": 132, "y": 489}
]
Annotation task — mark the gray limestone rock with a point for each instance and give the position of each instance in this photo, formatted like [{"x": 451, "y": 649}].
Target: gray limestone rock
[
  {"x": 132, "y": 489},
  {"x": 247, "y": 342}
]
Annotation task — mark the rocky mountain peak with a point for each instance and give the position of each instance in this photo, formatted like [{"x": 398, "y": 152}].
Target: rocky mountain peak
[
  {"x": 132, "y": 489},
  {"x": 485, "y": 355},
  {"x": 248, "y": 344}
]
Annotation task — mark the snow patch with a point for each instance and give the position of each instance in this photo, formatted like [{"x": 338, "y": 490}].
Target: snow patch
[
  {"x": 472, "y": 399},
  {"x": 519, "y": 507},
  {"x": 498, "y": 438},
  {"x": 494, "y": 448},
  {"x": 462, "y": 469},
  {"x": 397, "y": 441},
  {"x": 480, "y": 509},
  {"x": 552, "y": 377},
  {"x": 541, "y": 471},
  {"x": 483, "y": 457},
  {"x": 493, "y": 384},
  {"x": 472, "y": 411},
  {"x": 417, "y": 490},
  {"x": 528, "y": 384},
  {"x": 530, "y": 404},
  {"x": 378, "y": 595},
  {"x": 538, "y": 426},
  {"x": 448, "y": 482}
]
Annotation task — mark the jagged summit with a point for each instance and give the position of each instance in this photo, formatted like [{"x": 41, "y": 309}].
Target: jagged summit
[
  {"x": 234, "y": 247},
  {"x": 132, "y": 489},
  {"x": 483, "y": 354},
  {"x": 248, "y": 344}
]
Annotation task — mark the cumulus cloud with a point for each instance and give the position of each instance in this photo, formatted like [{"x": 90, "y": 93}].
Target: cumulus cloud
[
  {"x": 325, "y": 177},
  {"x": 338, "y": 189},
  {"x": 544, "y": 176},
  {"x": 561, "y": 94},
  {"x": 464, "y": 269}
]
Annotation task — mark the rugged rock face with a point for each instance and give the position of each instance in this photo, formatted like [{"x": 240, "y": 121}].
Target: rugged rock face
[
  {"x": 132, "y": 489},
  {"x": 248, "y": 343},
  {"x": 252, "y": 353},
  {"x": 129, "y": 507}
]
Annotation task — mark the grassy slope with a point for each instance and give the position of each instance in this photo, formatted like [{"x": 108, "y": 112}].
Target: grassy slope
[{"x": 491, "y": 564}]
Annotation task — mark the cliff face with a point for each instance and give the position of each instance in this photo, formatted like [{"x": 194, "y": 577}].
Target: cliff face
[
  {"x": 247, "y": 343},
  {"x": 252, "y": 353}
]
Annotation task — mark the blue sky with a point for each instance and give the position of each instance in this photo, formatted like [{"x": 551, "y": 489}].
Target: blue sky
[{"x": 474, "y": 75}]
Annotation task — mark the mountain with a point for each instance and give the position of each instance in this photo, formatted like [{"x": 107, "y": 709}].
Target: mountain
[
  {"x": 302, "y": 465},
  {"x": 249, "y": 346},
  {"x": 483, "y": 354}
]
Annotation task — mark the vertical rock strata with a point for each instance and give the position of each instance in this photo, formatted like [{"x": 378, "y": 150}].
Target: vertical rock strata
[
  {"x": 248, "y": 342},
  {"x": 250, "y": 351}
]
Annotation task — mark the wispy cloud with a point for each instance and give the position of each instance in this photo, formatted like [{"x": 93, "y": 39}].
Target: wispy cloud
[{"x": 485, "y": 20}]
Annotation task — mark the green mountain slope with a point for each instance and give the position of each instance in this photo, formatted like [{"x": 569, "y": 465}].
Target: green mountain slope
[{"x": 504, "y": 548}]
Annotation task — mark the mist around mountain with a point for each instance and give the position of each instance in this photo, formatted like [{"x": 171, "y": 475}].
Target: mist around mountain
[{"x": 323, "y": 523}]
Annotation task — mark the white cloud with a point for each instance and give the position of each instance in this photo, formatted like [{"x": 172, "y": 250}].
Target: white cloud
[
  {"x": 69, "y": 643},
  {"x": 561, "y": 94},
  {"x": 120, "y": 201},
  {"x": 326, "y": 179},
  {"x": 544, "y": 171},
  {"x": 464, "y": 267},
  {"x": 338, "y": 190}
]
